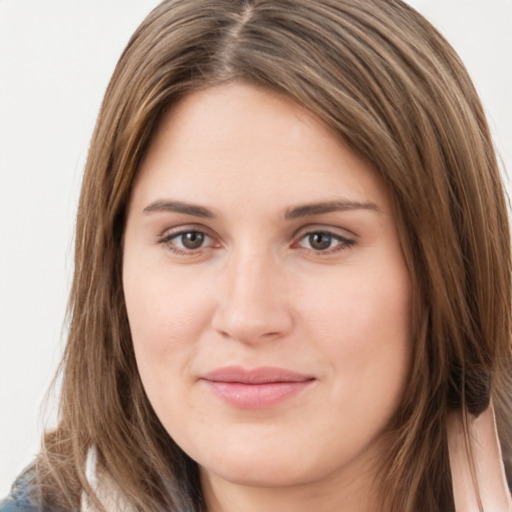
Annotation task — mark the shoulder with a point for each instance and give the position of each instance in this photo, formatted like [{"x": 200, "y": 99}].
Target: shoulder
[{"x": 20, "y": 499}]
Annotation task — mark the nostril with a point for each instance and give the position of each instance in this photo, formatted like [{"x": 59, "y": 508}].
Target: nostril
[{"x": 271, "y": 334}]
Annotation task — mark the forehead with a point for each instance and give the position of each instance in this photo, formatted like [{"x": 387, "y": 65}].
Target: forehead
[{"x": 239, "y": 142}]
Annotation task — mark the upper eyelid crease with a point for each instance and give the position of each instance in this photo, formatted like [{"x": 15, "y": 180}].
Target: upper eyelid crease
[
  {"x": 175, "y": 233},
  {"x": 336, "y": 231}
]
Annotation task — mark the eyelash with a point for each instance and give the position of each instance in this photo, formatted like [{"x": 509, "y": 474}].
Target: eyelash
[
  {"x": 168, "y": 241},
  {"x": 343, "y": 244}
]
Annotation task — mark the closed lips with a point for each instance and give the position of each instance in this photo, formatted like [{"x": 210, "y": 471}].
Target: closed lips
[
  {"x": 263, "y": 375},
  {"x": 256, "y": 388}
]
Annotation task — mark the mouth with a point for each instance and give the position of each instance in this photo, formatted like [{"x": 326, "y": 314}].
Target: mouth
[{"x": 255, "y": 388}]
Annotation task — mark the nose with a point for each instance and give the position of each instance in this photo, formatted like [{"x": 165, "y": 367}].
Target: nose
[{"x": 253, "y": 305}]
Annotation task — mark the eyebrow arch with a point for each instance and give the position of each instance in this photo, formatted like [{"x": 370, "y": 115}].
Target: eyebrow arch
[
  {"x": 179, "y": 207},
  {"x": 342, "y": 205}
]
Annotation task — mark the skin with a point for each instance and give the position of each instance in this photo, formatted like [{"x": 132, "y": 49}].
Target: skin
[{"x": 260, "y": 291}]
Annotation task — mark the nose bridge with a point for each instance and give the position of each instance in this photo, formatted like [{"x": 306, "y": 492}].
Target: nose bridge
[{"x": 253, "y": 305}]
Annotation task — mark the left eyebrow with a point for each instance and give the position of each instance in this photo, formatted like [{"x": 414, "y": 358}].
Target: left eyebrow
[{"x": 308, "y": 210}]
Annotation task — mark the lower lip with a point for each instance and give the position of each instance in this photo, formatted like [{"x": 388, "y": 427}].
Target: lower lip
[{"x": 256, "y": 396}]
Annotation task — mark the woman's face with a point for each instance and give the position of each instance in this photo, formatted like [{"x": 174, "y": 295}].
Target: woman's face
[{"x": 266, "y": 291}]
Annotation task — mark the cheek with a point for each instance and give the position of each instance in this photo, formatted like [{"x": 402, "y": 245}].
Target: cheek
[
  {"x": 164, "y": 309},
  {"x": 166, "y": 321},
  {"x": 361, "y": 308},
  {"x": 364, "y": 325}
]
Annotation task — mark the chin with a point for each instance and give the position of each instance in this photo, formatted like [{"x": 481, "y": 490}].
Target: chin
[
  {"x": 264, "y": 464},
  {"x": 258, "y": 473}
]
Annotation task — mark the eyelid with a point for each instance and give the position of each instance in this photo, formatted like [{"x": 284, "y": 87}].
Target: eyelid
[
  {"x": 345, "y": 240},
  {"x": 325, "y": 228},
  {"x": 184, "y": 228},
  {"x": 169, "y": 234},
  {"x": 345, "y": 237}
]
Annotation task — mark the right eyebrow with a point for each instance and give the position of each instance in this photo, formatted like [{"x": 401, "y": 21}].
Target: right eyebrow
[{"x": 179, "y": 207}]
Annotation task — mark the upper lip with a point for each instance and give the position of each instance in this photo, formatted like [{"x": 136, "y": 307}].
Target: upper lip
[{"x": 261, "y": 375}]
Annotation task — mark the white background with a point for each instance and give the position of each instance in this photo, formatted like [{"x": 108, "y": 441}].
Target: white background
[{"x": 56, "y": 57}]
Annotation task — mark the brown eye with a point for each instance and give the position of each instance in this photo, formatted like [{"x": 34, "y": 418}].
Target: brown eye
[
  {"x": 187, "y": 242},
  {"x": 320, "y": 241},
  {"x": 324, "y": 242},
  {"x": 191, "y": 239}
]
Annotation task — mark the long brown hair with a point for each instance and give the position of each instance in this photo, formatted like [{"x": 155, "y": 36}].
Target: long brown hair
[{"x": 379, "y": 75}]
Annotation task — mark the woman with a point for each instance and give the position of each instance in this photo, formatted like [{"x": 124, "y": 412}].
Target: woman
[{"x": 292, "y": 282}]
